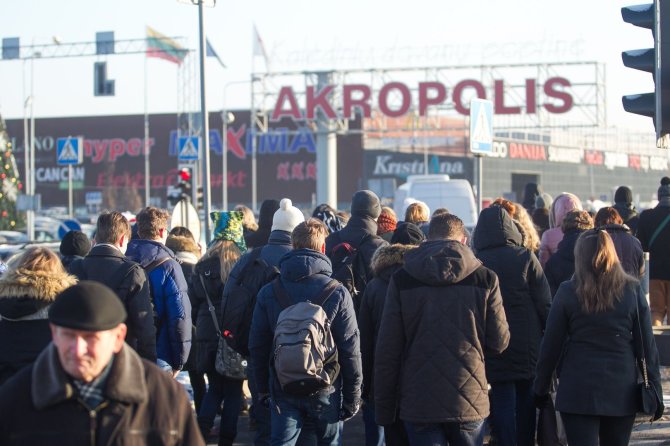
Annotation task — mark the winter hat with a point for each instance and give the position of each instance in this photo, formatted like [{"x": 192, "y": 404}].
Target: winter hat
[
  {"x": 664, "y": 190},
  {"x": 623, "y": 195},
  {"x": 267, "y": 212},
  {"x": 75, "y": 243},
  {"x": 386, "y": 222},
  {"x": 287, "y": 216},
  {"x": 228, "y": 226},
  {"x": 365, "y": 203},
  {"x": 328, "y": 216},
  {"x": 408, "y": 234},
  {"x": 543, "y": 201},
  {"x": 88, "y": 306}
]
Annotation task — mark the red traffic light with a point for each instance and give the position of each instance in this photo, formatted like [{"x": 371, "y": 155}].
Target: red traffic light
[{"x": 185, "y": 174}]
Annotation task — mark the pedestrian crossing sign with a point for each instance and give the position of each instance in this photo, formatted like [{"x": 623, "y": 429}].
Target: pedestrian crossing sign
[
  {"x": 481, "y": 126},
  {"x": 189, "y": 148},
  {"x": 70, "y": 151}
]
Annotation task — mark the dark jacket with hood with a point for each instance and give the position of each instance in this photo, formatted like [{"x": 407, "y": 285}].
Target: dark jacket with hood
[
  {"x": 525, "y": 294},
  {"x": 628, "y": 249},
  {"x": 304, "y": 274},
  {"x": 143, "y": 405},
  {"x": 25, "y": 297},
  {"x": 561, "y": 265},
  {"x": 659, "y": 251},
  {"x": 107, "y": 265},
  {"x": 262, "y": 234},
  {"x": 629, "y": 215},
  {"x": 443, "y": 311},
  {"x": 170, "y": 298},
  {"x": 386, "y": 261}
]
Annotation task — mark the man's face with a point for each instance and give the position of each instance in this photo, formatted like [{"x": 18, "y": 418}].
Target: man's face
[{"x": 84, "y": 354}]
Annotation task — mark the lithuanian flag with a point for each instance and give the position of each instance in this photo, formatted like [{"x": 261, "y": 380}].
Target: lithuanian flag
[{"x": 159, "y": 45}]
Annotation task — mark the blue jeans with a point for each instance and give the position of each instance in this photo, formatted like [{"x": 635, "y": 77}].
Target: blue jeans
[
  {"x": 374, "y": 434},
  {"x": 290, "y": 413},
  {"x": 260, "y": 413},
  {"x": 443, "y": 434},
  {"x": 513, "y": 413},
  {"x": 230, "y": 392}
]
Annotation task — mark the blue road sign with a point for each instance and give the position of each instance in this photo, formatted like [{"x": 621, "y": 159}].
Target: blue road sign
[
  {"x": 481, "y": 126},
  {"x": 67, "y": 226},
  {"x": 70, "y": 151},
  {"x": 189, "y": 148}
]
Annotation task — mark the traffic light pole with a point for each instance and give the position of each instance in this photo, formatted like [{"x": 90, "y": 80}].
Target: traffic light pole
[{"x": 206, "y": 185}]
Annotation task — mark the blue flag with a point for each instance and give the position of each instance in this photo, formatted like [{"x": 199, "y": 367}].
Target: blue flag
[{"x": 212, "y": 53}]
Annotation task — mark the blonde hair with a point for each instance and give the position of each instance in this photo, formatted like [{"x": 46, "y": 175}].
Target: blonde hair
[
  {"x": 228, "y": 254},
  {"x": 417, "y": 212},
  {"x": 600, "y": 280},
  {"x": 37, "y": 259},
  {"x": 531, "y": 239},
  {"x": 249, "y": 221}
]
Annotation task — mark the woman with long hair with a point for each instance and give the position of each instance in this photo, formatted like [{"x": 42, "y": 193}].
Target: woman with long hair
[
  {"x": 212, "y": 271},
  {"x": 597, "y": 323},
  {"x": 27, "y": 289}
]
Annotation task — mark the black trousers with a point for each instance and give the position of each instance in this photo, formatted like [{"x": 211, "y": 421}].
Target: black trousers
[{"x": 594, "y": 430}]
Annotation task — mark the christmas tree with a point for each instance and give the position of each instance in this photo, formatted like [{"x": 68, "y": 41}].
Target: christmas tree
[{"x": 9, "y": 183}]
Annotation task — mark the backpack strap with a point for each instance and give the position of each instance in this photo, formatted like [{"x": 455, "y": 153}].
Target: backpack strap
[
  {"x": 210, "y": 307},
  {"x": 285, "y": 300},
  {"x": 155, "y": 264},
  {"x": 326, "y": 293},
  {"x": 658, "y": 230}
]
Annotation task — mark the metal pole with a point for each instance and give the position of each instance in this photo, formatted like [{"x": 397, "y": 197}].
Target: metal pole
[
  {"x": 480, "y": 180},
  {"x": 254, "y": 196},
  {"x": 224, "y": 155},
  {"x": 70, "y": 206},
  {"x": 26, "y": 160},
  {"x": 147, "y": 172},
  {"x": 206, "y": 185},
  {"x": 31, "y": 213}
]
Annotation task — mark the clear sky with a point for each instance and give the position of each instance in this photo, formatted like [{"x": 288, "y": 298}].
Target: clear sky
[{"x": 297, "y": 31}]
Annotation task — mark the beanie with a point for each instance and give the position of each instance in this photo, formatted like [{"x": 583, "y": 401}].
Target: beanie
[
  {"x": 267, "y": 212},
  {"x": 75, "y": 243},
  {"x": 365, "y": 203},
  {"x": 228, "y": 226},
  {"x": 623, "y": 195},
  {"x": 543, "y": 201},
  {"x": 664, "y": 190},
  {"x": 386, "y": 222},
  {"x": 408, "y": 234},
  {"x": 287, "y": 216},
  {"x": 88, "y": 306}
]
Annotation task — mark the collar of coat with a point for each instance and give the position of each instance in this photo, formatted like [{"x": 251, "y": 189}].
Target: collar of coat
[{"x": 51, "y": 385}]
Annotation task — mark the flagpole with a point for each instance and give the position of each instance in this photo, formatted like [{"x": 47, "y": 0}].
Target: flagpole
[
  {"x": 254, "y": 197},
  {"x": 146, "y": 135}
]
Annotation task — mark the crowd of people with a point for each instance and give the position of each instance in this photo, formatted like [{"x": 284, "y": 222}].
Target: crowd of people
[{"x": 437, "y": 333}]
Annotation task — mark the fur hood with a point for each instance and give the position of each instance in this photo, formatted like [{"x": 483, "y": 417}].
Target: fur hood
[
  {"x": 183, "y": 244},
  {"x": 387, "y": 256},
  {"x": 38, "y": 285}
]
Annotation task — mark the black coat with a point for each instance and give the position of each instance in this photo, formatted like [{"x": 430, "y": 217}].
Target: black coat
[
  {"x": 598, "y": 374},
  {"x": 659, "y": 251},
  {"x": 525, "y": 294},
  {"x": 628, "y": 249},
  {"x": 629, "y": 215},
  {"x": 107, "y": 265},
  {"x": 206, "y": 337},
  {"x": 561, "y": 265}
]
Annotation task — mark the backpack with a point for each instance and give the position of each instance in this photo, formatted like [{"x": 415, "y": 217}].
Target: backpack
[
  {"x": 237, "y": 305},
  {"x": 305, "y": 354},
  {"x": 349, "y": 267}
]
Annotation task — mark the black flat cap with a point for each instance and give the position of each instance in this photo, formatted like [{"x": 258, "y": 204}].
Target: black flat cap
[{"x": 88, "y": 306}]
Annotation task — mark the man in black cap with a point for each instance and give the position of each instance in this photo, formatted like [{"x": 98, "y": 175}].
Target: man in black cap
[
  {"x": 88, "y": 387},
  {"x": 623, "y": 203}
]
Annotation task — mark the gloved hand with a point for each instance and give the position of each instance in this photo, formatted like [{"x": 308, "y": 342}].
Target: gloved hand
[
  {"x": 264, "y": 400},
  {"x": 348, "y": 410},
  {"x": 541, "y": 400}
]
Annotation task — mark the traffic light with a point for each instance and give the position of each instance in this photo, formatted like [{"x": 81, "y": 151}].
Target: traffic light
[
  {"x": 656, "y": 17},
  {"x": 184, "y": 185},
  {"x": 199, "y": 203}
]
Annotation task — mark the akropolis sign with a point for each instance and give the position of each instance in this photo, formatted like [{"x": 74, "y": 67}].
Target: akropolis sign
[{"x": 395, "y": 99}]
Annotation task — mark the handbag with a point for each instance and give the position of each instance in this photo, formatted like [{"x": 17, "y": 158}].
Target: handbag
[
  {"x": 228, "y": 362},
  {"x": 648, "y": 401}
]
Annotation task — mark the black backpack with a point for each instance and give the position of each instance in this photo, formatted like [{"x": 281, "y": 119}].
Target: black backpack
[
  {"x": 239, "y": 300},
  {"x": 349, "y": 267}
]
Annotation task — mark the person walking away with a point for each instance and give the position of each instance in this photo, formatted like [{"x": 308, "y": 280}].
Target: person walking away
[
  {"x": 27, "y": 290},
  {"x": 627, "y": 246},
  {"x": 623, "y": 203},
  {"x": 75, "y": 245},
  {"x": 260, "y": 237},
  {"x": 169, "y": 291},
  {"x": 595, "y": 323},
  {"x": 563, "y": 204},
  {"x": 330, "y": 392},
  {"x": 443, "y": 311},
  {"x": 526, "y": 299},
  {"x": 386, "y": 223},
  {"x": 653, "y": 231},
  {"x": 88, "y": 387}
]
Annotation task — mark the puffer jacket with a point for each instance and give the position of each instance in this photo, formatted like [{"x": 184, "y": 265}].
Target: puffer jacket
[
  {"x": 144, "y": 405},
  {"x": 443, "y": 311},
  {"x": 25, "y": 297},
  {"x": 278, "y": 244},
  {"x": 386, "y": 261},
  {"x": 563, "y": 204},
  {"x": 525, "y": 294},
  {"x": 304, "y": 274},
  {"x": 628, "y": 249},
  {"x": 170, "y": 298}
]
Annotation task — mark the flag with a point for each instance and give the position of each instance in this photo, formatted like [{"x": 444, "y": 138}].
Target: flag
[
  {"x": 259, "y": 48},
  {"x": 164, "y": 47},
  {"x": 212, "y": 53}
]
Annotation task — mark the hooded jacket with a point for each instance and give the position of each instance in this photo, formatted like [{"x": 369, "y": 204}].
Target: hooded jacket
[
  {"x": 563, "y": 204},
  {"x": 170, "y": 298},
  {"x": 25, "y": 297},
  {"x": 262, "y": 234},
  {"x": 525, "y": 294},
  {"x": 659, "y": 251},
  {"x": 443, "y": 311},
  {"x": 143, "y": 405},
  {"x": 561, "y": 265},
  {"x": 629, "y": 215},
  {"x": 386, "y": 261},
  {"x": 304, "y": 273}
]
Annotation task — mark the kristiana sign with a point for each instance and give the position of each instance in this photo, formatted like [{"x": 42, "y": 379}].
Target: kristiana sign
[{"x": 395, "y": 99}]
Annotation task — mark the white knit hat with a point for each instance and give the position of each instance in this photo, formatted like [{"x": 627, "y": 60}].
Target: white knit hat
[{"x": 287, "y": 216}]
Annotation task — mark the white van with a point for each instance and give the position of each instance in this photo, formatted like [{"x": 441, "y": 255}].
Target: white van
[{"x": 438, "y": 191}]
